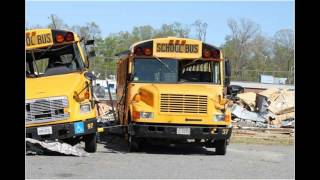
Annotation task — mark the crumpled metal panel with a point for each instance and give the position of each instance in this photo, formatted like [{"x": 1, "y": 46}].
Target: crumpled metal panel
[
  {"x": 242, "y": 113},
  {"x": 39, "y": 147}
]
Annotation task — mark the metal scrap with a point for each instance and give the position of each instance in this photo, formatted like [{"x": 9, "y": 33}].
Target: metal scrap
[{"x": 242, "y": 113}]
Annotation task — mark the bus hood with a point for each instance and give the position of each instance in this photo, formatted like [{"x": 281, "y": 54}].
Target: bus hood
[
  {"x": 58, "y": 85},
  {"x": 190, "y": 89}
]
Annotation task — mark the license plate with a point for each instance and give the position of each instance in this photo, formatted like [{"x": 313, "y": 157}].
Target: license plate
[
  {"x": 183, "y": 131},
  {"x": 44, "y": 130}
]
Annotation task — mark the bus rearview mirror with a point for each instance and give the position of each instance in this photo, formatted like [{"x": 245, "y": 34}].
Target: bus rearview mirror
[
  {"x": 227, "y": 67},
  {"x": 89, "y": 42},
  {"x": 87, "y": 63},
  {"x": 130, "y": 77},
  {"x": 92, "y": 53},
  {"x": 90, "y": 76}
]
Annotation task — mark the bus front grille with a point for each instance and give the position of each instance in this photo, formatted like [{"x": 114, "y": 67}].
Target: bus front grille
[
  {"x": 46, "y": 109},
  {"x": 183, "y": 103}
]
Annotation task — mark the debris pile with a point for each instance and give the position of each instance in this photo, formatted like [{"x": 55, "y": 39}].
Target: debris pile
[
  {"x": 270, "y": 108},
  {"x": 104, "y": 112}
]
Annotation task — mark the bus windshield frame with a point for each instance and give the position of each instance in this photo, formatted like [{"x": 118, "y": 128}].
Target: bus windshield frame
[
  {"x": 169, "y": 70},
  {"x": 54, "y": 60}
]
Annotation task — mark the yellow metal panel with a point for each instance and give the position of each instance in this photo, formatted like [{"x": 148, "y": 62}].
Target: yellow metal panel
[{"x": 60, "y": 85}]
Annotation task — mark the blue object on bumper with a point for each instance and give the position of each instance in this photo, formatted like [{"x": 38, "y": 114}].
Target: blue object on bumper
[{"x": 78, "y": 127}]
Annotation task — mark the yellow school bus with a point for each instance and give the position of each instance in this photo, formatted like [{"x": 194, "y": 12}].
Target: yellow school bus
[
  {"x": 172, "y": 90},
  {"x": 59, "y": 101}
]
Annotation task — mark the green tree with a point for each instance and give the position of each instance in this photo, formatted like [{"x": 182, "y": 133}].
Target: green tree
[
  {"x": 283, "y": 45},
  {"x": 142, "y": 33},
  {"x": 175, "y": 29},
  {"x": 237, "y": 45}
]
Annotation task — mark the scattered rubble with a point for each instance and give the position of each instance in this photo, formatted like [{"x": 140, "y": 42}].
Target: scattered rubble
[
  {"x": 270, "y": 108},
  {"x": 248, "y": 99}
]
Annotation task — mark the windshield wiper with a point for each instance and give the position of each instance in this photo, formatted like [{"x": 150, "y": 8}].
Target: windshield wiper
[
  {"x": 165, "y": 65},
  {"x": 44, "y": 51},
  {"x": 34, "y": 60},
  {"x": 192, "y": 62}
]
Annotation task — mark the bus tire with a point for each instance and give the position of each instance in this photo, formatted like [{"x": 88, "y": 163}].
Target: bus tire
[
  {"x": 221, "y": 147},
  {"x": 134, "y": 145},
  {"x": 71, "y": 141},
  {"x": 90, "y": 141}
]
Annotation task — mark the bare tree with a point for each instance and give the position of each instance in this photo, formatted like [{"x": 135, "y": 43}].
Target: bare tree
[
  {"x": 89, "y": 31},
  {"x": 242, "y": 33},
  {"x": 56, "y": 22},
  {"x": 201, "y": 29}
]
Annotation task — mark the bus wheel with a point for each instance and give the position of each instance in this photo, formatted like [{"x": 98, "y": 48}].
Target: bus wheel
[
  {"x": 221, "y": 147},
  {"x": 72, "y": 141},
  {"x": 134, "y": 145},
  {"x": 90, "y": 142}
]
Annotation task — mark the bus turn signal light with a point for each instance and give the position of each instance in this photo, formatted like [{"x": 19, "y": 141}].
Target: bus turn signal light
[
  {"x": 227, "y": 118},
  {"x": 137, "y": 98},
  {"x": 135, "y": 115},
  {"x": 206, "y": 53},
  {"x": 69, "y": 37},
  {"x": 138, "y": 51},
  {"x": 147, "y": 51},
  {"x": 59, "y": 38},
  {"x": 87, "y": 95}
]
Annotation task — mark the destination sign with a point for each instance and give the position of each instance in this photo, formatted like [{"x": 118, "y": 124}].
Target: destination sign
[
  {"x": 177, "y": 48},
  {"x": 38, "y": 38}
]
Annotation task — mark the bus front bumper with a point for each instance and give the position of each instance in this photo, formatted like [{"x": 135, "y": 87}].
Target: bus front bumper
[
  {"x": 179, "y": 131},
  {"x": 62, "y": 131}
]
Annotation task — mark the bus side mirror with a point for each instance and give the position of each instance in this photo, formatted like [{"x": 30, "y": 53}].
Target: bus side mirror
[
  {"x": 91, "y": 52},
  {"x": 130, "y": 77},
  {"x": 227, "y": 69},
  {"x": 87, "y": 63},
  {"x": 90, "y": 76},
  {"x": 89, "y": 42}
]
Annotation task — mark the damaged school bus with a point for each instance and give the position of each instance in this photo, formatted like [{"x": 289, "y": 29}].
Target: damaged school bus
[
  {"x": 172, "y": 90},
  {"x": 59, "y": 101}
]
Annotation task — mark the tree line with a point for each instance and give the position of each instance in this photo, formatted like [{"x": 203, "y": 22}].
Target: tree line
[{"x": 249, "y": 50}]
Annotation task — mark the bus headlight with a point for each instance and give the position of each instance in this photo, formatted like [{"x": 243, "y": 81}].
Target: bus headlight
[
  {"x": 218, "y": 117},
  {"x": 84, "y": 108},
  {"x": 146, "y": 115}
]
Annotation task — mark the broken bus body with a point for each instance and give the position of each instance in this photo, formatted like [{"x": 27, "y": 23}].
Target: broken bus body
[{"x": 59, "y": 101}]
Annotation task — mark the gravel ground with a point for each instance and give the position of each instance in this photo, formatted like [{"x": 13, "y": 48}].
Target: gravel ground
[{"x": 113, "y": 161}]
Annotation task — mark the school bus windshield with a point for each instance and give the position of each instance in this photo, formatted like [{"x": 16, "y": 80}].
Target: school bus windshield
[
  {"x": 164, "y": 70},
  {"x": 53, "y": 60}
]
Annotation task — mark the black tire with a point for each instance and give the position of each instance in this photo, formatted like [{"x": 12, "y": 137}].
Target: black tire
[
  {"x": 221, "y": 147},
  {"x": 134, "y": 145},
  {"x": 90, "y": 141},
  {"x": 72, "y": 141}
]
